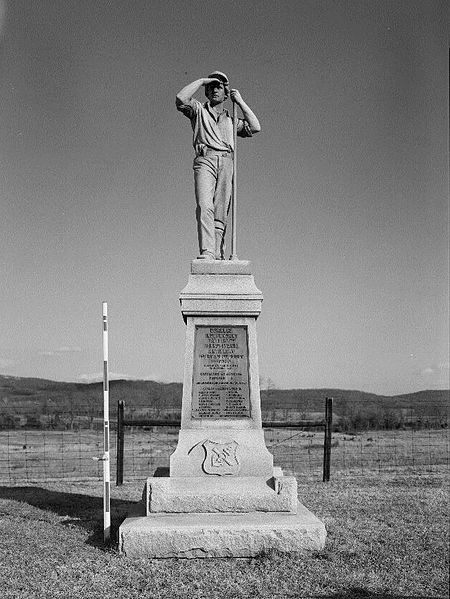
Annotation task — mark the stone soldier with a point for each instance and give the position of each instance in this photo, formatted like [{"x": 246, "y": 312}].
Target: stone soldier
[{"x": 213, "y": 163}]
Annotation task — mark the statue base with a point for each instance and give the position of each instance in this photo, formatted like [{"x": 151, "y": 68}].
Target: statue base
[
  {"x": 223, "y": 498},
  {"x": 189, "y": 535}
]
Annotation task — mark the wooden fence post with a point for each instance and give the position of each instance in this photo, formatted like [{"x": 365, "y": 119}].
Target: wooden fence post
[
  {"x": 120, "y": 442},
  {"x": 327, "y": 439}
]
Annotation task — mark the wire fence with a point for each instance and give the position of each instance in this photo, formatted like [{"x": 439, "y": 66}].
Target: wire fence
[
  {"x": 31, "y": 455},
  {"x": 46, "y": 447}
]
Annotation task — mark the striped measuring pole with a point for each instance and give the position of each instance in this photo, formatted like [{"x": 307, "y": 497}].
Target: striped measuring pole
[{"x": 105, "y": 459}]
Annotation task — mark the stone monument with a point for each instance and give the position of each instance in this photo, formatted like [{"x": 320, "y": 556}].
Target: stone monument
[{"x": 223, "y": 496}]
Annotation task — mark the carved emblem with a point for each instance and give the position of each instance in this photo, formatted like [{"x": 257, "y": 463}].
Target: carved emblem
[{"x": 221, "y": 458}]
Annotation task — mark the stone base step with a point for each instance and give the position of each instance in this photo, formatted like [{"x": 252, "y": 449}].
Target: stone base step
[
  {"x": 219, "y": 535},
  {"x": 220, "y": 494}
]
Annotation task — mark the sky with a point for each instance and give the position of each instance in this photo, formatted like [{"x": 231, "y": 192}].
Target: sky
[{"x": 342, "y": 197}]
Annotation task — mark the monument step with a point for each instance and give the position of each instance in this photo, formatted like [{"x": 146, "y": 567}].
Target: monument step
[
  {"x": 220, "y": 494},
  {"x": 220, "y": 535}
]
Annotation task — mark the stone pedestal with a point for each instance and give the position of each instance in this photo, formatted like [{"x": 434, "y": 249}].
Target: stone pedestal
[
  {"x": 220, "y": 535},
  {"x": 223, "y": 496}
]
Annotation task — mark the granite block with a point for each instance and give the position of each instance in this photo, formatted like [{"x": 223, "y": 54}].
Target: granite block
[
  {"x": 220, "y": 535},
  {"x": 252, "y": 455},
  {"x": 220, "y": 267},
  {"x": 220, "y": 494}
]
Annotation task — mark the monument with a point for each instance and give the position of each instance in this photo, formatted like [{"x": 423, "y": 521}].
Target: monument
[{"x": 223, "y": 496}]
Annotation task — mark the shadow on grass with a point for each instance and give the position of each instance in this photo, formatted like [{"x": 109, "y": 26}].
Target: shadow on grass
[{"x": 75, "y": 509}]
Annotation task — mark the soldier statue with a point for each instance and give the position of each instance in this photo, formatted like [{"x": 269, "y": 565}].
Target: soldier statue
[{"x": 214, "y": 148}]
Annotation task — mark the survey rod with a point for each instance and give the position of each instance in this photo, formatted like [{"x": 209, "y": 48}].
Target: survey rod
[{"x": 106, "y": 455}]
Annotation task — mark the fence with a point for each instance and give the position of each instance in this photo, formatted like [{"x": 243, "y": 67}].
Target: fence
[
  {"x": 326, "y": 423},
  {"x": 46, "y": 445},
  {"x": 32, "y": 455}
]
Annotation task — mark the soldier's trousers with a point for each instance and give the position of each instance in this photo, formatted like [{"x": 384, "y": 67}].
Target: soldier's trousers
[{"x": 213, "y": 179}]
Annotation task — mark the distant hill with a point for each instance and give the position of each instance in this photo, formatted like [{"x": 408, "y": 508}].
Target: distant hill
[{"x": 42, "y": 403}]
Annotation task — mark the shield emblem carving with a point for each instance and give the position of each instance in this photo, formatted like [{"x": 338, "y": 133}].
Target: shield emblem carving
[{"x": 221, "y": 458}]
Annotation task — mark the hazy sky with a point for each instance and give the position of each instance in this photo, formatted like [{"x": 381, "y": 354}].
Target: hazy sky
[{"x": 343, "y": 196}]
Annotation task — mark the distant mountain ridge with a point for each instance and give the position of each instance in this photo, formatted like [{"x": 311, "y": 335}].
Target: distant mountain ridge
[
  {"x": 28, "y": 385},
  {"x": 37, "y": 397}
]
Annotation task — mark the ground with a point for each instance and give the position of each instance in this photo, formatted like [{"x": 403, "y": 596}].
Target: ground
[{"x": 387, "y": 538}]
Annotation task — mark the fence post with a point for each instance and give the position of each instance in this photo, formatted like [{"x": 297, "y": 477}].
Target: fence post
[
  {"x": 327, "y": 439},
  {"x": 120, "y": 442}
]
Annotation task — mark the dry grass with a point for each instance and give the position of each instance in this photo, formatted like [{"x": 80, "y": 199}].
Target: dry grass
[{"x": 387, "y": 538}]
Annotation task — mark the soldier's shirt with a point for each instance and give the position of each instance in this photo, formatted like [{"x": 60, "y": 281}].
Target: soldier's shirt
[{"x": 211, "y": 130}]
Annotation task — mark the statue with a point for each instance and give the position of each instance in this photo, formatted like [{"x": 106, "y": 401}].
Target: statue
[{"x": 214, "y": 150}]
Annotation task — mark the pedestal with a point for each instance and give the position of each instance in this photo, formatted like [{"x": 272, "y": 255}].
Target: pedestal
[
  {"x": 220, "y": 535},
  {"x": 223, "y": 497},
  {"x": 221, "y": 410}
]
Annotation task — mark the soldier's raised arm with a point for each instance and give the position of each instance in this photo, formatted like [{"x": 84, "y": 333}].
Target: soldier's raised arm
[{"x": 185, "y": 94}]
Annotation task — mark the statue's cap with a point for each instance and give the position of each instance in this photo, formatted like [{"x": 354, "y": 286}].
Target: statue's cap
[{"x": 220, "y": 76}]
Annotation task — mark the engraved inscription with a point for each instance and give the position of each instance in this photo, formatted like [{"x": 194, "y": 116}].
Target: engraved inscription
[
  {"x": 220, "y": 386},
  {"x": 221, "y": 458}
]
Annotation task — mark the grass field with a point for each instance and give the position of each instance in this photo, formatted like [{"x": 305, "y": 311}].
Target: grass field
[
  {"x": 387, "y": 538},
  {"x": 40, "y": 454}
]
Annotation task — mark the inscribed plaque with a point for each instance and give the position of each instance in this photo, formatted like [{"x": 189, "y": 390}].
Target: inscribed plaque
[{"x": 220, "y": 386}]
